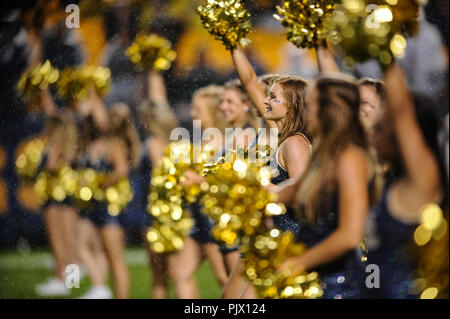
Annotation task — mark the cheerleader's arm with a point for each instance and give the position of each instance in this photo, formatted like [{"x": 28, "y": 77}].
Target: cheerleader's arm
[
  {"x": 250, "y": 82},
  {"x": 325, "y": 60}
]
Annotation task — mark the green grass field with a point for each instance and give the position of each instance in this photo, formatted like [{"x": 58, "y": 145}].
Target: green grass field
[{"x": 20, "y": 272}]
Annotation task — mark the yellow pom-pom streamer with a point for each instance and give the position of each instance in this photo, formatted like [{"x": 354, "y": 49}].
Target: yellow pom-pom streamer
[
  {"x": 40, "y": 78},
  {"x": 265, "y": 252},
  {"x": 151, "y": 52},
  {"x": 167, "y": 198},
  {"x": 74, "y": 83},
  {"x": 236, "y": 199},
  {"x": 227, "y": 20},
  {"x": 90, "y": 186},
  {"x": 30, "y": 158},
  {"x": 305, "y": 21},
  {"x": 431, "y": 239},
  {"x": 378, "y": 29},
  {"x": 238, "y": 203},
  {"x": 57, "y": 186}
]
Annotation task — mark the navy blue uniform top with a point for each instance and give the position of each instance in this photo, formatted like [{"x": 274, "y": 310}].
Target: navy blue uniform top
[
  {"x": 285, "y": 222},
  {"x": 392, "y": 254},
  {"x": 342, "y": 277}
]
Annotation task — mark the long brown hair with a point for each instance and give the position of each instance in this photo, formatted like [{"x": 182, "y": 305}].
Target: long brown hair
[
  {"x": 340, "y": 127},
  {"x": 294, "y": 91},
  {"x": 122, "y": 127},
  {"x": 61, "y": 131}
]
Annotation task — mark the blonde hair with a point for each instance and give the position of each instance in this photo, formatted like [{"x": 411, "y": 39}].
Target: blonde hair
[
  {"x": 340, "y": 127},
  {"x": 252, "y": 118},
  {"x": 212, "y": 95}
]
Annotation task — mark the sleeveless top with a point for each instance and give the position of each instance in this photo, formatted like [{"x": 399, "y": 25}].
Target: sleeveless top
[
  {"x": 285, "y": 222},
  {"x": 392, "y": 255},
  {"x": 342, "y": 277}
]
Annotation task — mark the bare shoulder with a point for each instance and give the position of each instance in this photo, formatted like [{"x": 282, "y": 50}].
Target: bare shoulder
[
  {"x": 295, "y": 150},
  {"x": 296, "y": 143},
  {"x": 353, "y": 158}
]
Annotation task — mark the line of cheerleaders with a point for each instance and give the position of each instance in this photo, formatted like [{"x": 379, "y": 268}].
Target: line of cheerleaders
[{"x": 348, "y": 151}]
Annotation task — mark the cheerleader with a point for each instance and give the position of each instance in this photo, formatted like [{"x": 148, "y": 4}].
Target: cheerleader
[
  {"x": 283, "y": 108},
  {"x": 112, "y": 152},
  {"x": 406, "y": 138},
  {"x": 183, "y": 264},
  {"x": 332, "y": 196},
  {"x": 158, "y": 120},
  {"x": 239, "y": 113},
  {"x": 60, "y": 216}
]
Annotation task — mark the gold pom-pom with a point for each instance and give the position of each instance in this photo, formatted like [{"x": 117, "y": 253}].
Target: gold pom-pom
[
  {"x": 151, "y": 52},
  {"x": 118, "y": 196},
  {"x": 227, "y": 20},
  {"x": 90, "y": 185},
  {"x": 236, "y": 198},
  {"x": 30, "y": 159},
  {"x": 305, "y": 21},
  {"x": 58, "y": 186},
  {"x": 431, "y": 239},
  {"x": 167, "y": 198},
  {"x": 264, "y": 253},
  {"x": 74, "y": 83},
  {"x": 40, "y": 78},
  {"x": 377, "y": 29}
]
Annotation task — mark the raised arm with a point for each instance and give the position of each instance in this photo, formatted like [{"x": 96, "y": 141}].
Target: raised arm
[
  {"x": 250, "y": 82},
  {"x": 325, "y": 60},
  {"x": 422, "y": 170},
  {"x": 156, "y": 88},
  {"x": 47, "y": 102},
  {"x": 35, "y": 48},
  {"x": 98, "y": 110}
]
